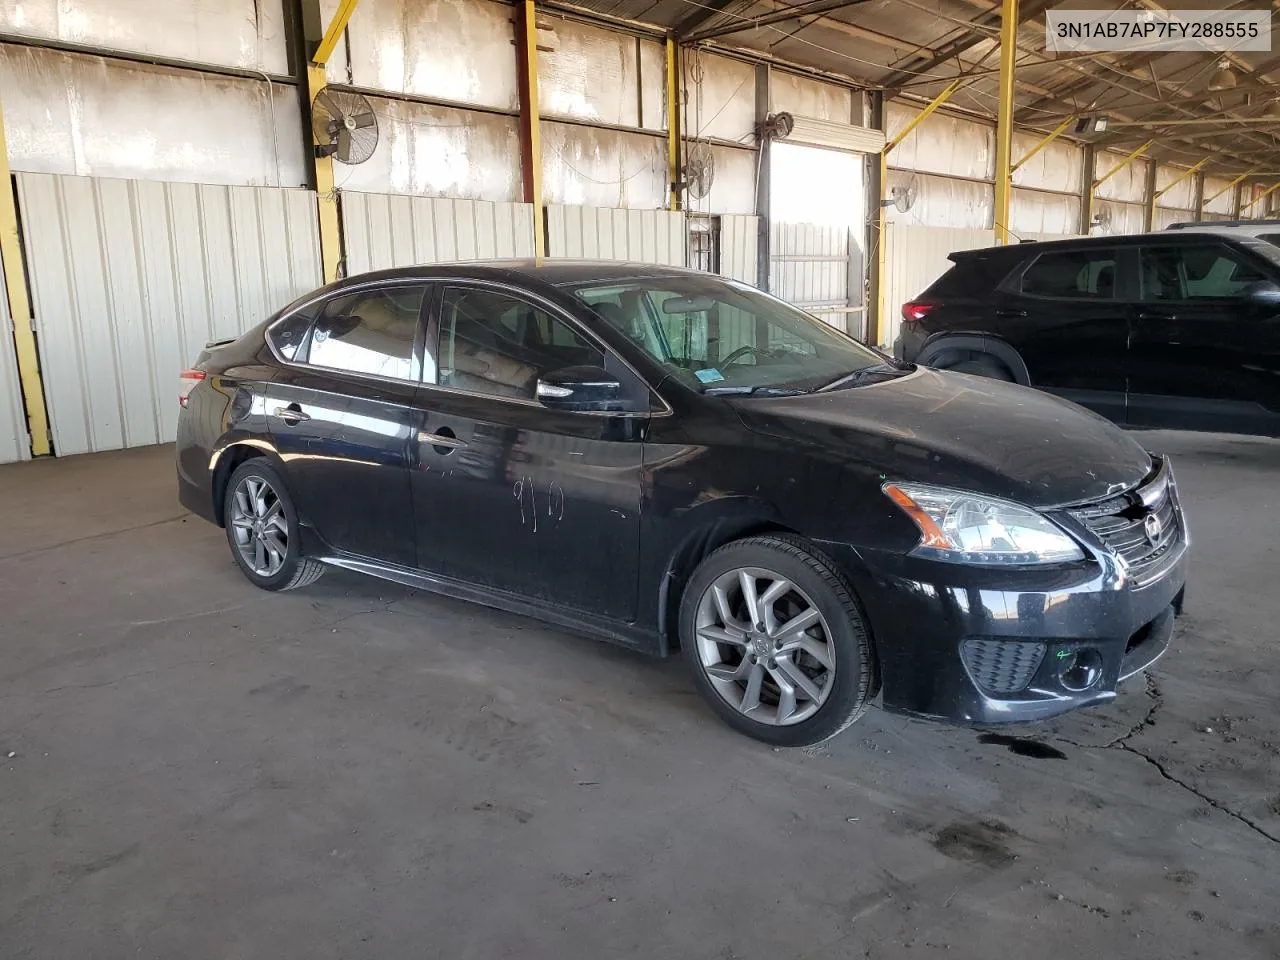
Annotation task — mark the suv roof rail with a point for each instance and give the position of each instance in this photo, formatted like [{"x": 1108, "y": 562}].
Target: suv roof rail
[{"x": 1257, "y": 221}]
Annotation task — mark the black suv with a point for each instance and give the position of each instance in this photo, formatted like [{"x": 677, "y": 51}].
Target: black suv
[{"x": 1174, "y": 329}]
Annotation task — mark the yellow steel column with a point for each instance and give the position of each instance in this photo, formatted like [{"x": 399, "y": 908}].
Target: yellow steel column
[
  {"x": 326, "y": 194},
  {"x": 1004, "y": 118},
  {"x": 24, "y": 338},
  {"x": 530, "y": 120},
  {"x": 879, "y": 322},
  {"x": 673, "y": 122}
]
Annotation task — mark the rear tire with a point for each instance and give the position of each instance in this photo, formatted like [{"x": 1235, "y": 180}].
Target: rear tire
[
  {"x": 262, "y": 529},
  {"x": 788, "y": 688}
]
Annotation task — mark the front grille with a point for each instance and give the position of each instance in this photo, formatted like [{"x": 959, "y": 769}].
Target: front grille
[
  {"x": 1001, "y": 666},
  {"x": 1124, "y": 523}
]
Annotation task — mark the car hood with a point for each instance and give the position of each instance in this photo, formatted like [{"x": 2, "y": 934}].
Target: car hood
[{"x": 962, "y": 431}]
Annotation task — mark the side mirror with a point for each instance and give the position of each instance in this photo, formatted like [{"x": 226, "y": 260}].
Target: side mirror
[
  {"x": 580, "y": 388},
  {"x": 1263, "y": 293}
]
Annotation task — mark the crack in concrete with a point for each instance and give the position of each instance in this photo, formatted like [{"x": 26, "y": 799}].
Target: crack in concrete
[
  {"x": 93, "y": 536},
  {"x": 1217, "y": 805},
  {"x": 1157, "y": 701},
  {"x": 1148, "y": 720}
]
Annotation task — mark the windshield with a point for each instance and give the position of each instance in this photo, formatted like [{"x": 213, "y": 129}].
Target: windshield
[{"x": 723, "y": 337}]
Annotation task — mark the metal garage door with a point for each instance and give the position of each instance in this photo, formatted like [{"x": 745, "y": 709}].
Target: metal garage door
[
  {"x": 815, "y": 260},
  {"x": 130, "y": 278},
  {"x": 14, "y": 444},
  {"x": 809, "y": 265},
  {"x": 384, "y": 230},
  {"x": 605, "y": 233}
]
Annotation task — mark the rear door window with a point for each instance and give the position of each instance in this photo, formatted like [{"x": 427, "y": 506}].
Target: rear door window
[
  {"x": 1196, "y": 271},
  {"x": 1072, "y": 274},
  {"x": 371, "y": 332}
]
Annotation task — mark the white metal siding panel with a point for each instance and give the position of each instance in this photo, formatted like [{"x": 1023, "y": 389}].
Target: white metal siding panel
[
  {"x": 605, "y": 233},
  {"x": 131, "y": 278},
  {"x": 913, "y": 258},
  {"x": 13, "y": 422},
  {"x": 739, "y": 244},
  {"x": 388, "y": 230}
]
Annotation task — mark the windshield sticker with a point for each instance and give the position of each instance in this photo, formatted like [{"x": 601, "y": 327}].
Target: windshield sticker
[{"x": 709, "y": 375}]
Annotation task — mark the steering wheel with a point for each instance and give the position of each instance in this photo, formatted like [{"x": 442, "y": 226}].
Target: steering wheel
[{"x": 741, "y": 352}]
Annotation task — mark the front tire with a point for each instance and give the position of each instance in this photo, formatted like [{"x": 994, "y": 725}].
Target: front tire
[
  {"x": 262, "y": 529},
  {"x": 776, "y": 641}
]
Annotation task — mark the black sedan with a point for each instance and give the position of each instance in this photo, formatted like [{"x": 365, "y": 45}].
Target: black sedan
[{"x": 666, "y": 459}]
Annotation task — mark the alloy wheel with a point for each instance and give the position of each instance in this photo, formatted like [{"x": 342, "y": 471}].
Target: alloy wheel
[
  {"x": 765, "y": 646},
  {"x": 259, "y": 526}
]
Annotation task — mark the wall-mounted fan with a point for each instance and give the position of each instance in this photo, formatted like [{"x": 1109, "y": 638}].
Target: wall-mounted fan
[
  {"x": 902, "y": 196},
  {"x": 699, "y": 170},
  {"x": 345, "y": 126}
]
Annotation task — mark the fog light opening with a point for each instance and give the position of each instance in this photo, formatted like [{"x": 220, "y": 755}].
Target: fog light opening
[{"x": 1079, "y": 670}]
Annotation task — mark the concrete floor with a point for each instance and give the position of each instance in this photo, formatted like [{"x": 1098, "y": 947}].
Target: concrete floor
[{"x": 199, "y": 769}]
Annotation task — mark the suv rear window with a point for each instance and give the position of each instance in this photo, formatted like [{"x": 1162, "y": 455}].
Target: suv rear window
[{"x": 1078, "y": 274}]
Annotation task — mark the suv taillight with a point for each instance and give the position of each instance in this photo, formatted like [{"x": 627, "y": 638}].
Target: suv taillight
[
  {"x": 916, "y": 310},
  {"x": 187, "y": 381}
]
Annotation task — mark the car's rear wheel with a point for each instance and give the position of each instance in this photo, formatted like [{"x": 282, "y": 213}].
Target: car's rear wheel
[
  {"x": 776, "y": 641},
  {"x": 262, "y": 529}
]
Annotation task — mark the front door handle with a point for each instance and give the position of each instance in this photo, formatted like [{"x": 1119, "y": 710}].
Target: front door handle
[
  {"x": 1010, "y": 312},
  {"x": 1150, "y": 315},
  {"x": 440, "y": 440},
  {"x": 291, "y": 414}
]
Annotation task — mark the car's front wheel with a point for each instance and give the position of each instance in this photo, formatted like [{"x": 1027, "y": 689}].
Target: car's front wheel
[
  {"x": 262, "y": 528},
  {"x": 776, "y": 641}
]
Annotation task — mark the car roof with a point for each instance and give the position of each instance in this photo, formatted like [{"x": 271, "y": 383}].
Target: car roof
[
  {"x": 1233, "y": 228},
  {"x": 553, "y": 271},
  {"x": 1027, "y": 247}
]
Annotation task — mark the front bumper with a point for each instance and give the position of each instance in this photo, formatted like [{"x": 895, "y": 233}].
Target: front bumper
[{"x": 983, "y": 645}]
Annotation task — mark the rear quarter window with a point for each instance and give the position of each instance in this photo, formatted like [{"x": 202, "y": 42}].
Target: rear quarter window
[
  {"x": 289, "y": 336},
  {"x": 971, "y": 276}
]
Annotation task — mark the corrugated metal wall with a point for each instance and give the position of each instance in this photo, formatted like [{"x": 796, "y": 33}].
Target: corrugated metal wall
[
  {"x": 130, "y": 278},
  {"x": 914, "y": 257},
  {"x": 382, "y": 230},
  {"x": 604, "y": 233},
  {"x": 13, "y": 422},
  {"x": 739, "y": 243}
]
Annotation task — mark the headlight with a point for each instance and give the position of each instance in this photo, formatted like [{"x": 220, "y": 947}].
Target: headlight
[{"x": 968, "y": 528}]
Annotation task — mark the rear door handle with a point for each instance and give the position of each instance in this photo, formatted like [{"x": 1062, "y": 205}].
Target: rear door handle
[
  {"x": 291, "y": 414},
  {"x": 1010, "y": 312},
  {"x": 1149, "y": 315}
]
